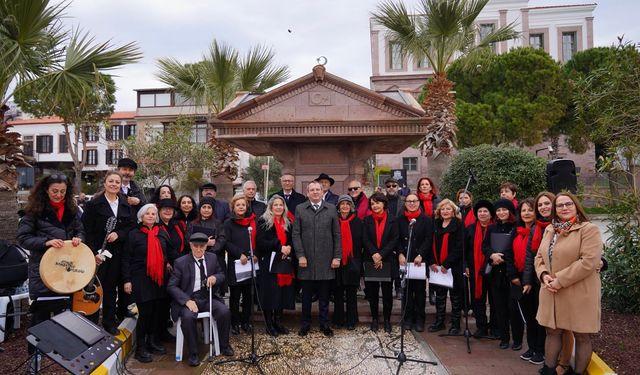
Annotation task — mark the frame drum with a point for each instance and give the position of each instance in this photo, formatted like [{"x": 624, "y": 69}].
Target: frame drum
[{"x": 68, "y": 269}]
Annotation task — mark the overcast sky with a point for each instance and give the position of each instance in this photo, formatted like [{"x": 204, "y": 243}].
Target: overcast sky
[{"x": 337, "y": 29}]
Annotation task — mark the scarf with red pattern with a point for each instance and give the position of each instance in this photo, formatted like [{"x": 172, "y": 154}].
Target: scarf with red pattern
[
  {"x": 59, "y": 207},
  {"x": 379, "y": 220},
  {"x": 282, "y": 279},
  {"x": 347, "y": 240},
  {"x": 427, "y": 203},
  {"x": 411, "y": 215},
  {"x": 520, "y": 247},
  {"x": 155, "y": 257}
]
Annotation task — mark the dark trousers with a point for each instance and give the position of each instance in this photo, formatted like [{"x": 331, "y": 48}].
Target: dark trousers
[
  {"x": 109, "y": 275},
  {"x": 536, "y": 334},
  {"x": 500, "y": 297},
  {"x": 373, "y": 294},
  {"x": 516, "y": 320},
  {"x": 220, "y": 313},
  {"x": 236, "y": 292},
  {"x": 414, "y": 301},
  {"x": 455, "y": 295},
  {"x": 339, "y": 305},
  {"x": 322, "y": 288},
  {"x": 150, "y": 319},
  {"x": 44, "y": 310},
  {"x": 479, "y": 305}
]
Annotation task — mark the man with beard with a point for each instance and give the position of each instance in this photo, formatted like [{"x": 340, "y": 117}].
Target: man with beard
[{"x": 135, "y": 197}]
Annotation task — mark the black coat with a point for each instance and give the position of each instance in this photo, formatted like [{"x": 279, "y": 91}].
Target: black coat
[
  {"x": 135, "y": 191},
  {"x": 331, "y": 198},
  {"x": 454, "y": 258},
  {"x": 256, "y": 207},
  {"x": 94, "y": 218},
  {"x": 421, "y": 237},
  {"x": 177, "y": 232},
  {"x": 237, "y": 244},
  {"x": 272, "y": 296},
  {"x": 34, "y": 232},
  {"x": 470, "y": 240},
  {"x": 529, "y": 274},
  {"x": 219, "y": 247},
  {"x": 134, "y": 265},
  {"x": 498, "y": 227},
  {"x": 180, "y": 286},
  {"x": 350, "y": 273},
  {"x": 388, "y": 244},
  {"x": 294, "y": 200}
]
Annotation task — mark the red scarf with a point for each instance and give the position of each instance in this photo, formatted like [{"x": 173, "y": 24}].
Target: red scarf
[
  {"x": 282, "y": 279},
  {"x": 290, "y": 216},
  {"x": 470, "y": 218},
  {"x": 411, "y": 215},
  {"x": 59, "y": 207},
  {"x": 178, "y": 229},
  {"x": 249, "y": 221},
  {"x": 379, "y": 220},
  {"x": 427, "y": 203},
  {"x": 155, "y": 258},
  {"x": 478, "y": 258},
  {"x": 520, "y": 247},
  {"x": 347, "y": 240},
  {"x": 444, "y": 249},
  {"x": 537, "y": 235}
]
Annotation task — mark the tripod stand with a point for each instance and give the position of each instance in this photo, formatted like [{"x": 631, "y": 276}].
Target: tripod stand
[
  {"x": 253, "y": 359},
  {"x": 401, "y": 357}
]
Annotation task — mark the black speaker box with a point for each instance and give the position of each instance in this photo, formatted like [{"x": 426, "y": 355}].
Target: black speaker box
[{"x": 561, "y": 175}]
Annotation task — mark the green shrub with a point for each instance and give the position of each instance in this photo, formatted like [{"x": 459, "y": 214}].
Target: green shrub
[
  {"x": 620, "y": 282},
  {"x": 493, "y": 165}
]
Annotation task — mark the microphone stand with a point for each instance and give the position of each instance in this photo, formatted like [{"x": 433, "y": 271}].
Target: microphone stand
[
  {"x": 466, "y": 287},
  {"x": 401, "y": 357},
  {"x": 253, "y": 359}
]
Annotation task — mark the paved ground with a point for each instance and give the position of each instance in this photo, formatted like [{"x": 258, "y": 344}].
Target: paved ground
[{"x": 449, "y": 352}]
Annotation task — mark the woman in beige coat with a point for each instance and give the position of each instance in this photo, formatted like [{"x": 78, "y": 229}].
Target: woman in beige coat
[{"x": 566, "y": 264}]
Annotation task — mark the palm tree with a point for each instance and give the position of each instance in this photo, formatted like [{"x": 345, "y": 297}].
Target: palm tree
[
  {"x": 440, "y": 31},
  {"x": 214, "y": 81}
]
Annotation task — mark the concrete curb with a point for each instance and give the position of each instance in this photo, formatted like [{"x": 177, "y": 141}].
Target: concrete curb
[
  {"x": 116, "y": 361},
  {"x": 598, "y": 367}
]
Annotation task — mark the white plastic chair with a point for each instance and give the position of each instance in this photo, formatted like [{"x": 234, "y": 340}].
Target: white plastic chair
[
  {"x": 4, "y": 302},
  {"x": 209, "y": 325}
]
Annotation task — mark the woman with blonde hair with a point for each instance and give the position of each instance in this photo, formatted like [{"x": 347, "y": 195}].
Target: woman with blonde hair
[
  {"x": 447, "y": 257},
  {"x": 567, "y": 265}
]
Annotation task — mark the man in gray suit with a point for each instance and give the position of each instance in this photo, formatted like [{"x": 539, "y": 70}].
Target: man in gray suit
[{"x": 316, "y": 240}]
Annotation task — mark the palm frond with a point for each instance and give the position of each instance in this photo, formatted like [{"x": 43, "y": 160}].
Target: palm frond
[{"x": 256, "y": 71}]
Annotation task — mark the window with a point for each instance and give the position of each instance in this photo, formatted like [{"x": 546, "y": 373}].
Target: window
[
  {"x": 410, "y": 164},
  {"x": 112, "y": 156},
  {"x": 569, "y": 45},
  {"x": 181, "y": 100},
  {"x": 63, "y": 147},
  {"x": 129, "y": 131},
  {"x": 91, "y": 157},
  {"x": 536, "y": 41},
  {"x": 486, "y": 29},
  {"x": 395, "y": 56},
  {"x": 161, "y": 99},
  {"x": 91, "y": 134},
  {"x": 423, "y": 63},
  {"x": 199, "y": 133},
  {"x": 27, "y": 148},
  {"x": 44, "y": 144}
]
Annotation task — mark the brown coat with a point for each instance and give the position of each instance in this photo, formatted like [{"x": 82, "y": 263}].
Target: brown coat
[{"x": 576, "y": 257}]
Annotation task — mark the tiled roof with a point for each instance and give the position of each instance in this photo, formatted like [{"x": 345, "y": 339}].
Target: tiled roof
[{"x": 57, "y": 120}]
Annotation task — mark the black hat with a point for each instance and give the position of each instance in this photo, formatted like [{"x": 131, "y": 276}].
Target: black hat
[
  {"x": 126, "y": 162},
  {"x": 324, "y": 176},
  {"x": 483, "y": 203},
  {"x": 166, "y": 203},
  {"x": 209, "y": 185},
  {"x": 207, "y": 200},
  {"x": 505, "y": 203},
  {"x": 198, "y": 237},
  {"x": 390, "y": 180}
]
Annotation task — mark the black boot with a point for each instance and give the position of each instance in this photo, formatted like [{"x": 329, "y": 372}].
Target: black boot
[
  {"x": 456, "y": 308},
  {"x": 548, "y": 370},
  {"x": 142, "y": 354},
  {"x": 268, "y": 320},
  {"x": 387, "y": 325},
  {"x": 441, "y": 307},
  {"x": 154, "y": 346},
  {"x": 277, "y": 323}
]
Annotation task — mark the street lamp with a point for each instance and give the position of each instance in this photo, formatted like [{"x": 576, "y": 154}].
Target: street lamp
[{"x": 548, "y": 148}]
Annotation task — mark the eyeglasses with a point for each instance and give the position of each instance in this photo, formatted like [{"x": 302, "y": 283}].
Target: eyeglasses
[
  {"x": 57, "y": 177},
  {"x": 412, "y": 201},
  {"x": 565, "y": 205},
  {"x": 353, "y": 188},
  {"x": 392, "y": 186}
]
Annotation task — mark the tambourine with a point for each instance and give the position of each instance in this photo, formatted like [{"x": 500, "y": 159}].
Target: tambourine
[{"x": 68, "y": 269}]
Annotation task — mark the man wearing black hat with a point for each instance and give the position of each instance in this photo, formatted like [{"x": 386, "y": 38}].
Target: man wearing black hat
[
  {"x": 188, "y": 286},
  {"x": 135, "y": 197},
  {"x": 326, "y": 182},
  {"x": 220, "y": 208},
  {"x": 396, "y": 201}
]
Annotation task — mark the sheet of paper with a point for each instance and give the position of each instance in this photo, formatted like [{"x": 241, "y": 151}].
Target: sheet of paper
[
  {"x": 442, "y": 279},
  {"x": 243, "y": 272},
  {"x": 416, "y": 273}
]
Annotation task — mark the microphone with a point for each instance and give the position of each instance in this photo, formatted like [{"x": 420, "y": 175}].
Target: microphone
[
  {"x": 250, "y": 229},
  {"x": 412, "y": 222}
]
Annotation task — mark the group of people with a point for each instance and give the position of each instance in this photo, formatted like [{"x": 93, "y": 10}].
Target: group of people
[{"x": 534, "y": 260}]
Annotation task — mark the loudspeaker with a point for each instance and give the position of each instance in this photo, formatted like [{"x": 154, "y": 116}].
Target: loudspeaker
[{"x": 561, "y": 175}]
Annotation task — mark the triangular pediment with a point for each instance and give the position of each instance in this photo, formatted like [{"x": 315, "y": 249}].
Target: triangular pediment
[{"x": 320, "y": 97}]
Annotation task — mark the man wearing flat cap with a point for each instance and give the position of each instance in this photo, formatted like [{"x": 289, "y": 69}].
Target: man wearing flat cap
[
  {"x": 135, "y": 197},
  {"x": 188, "y": 286},
  {"x": 326, "y": 182},
  {"x": 220, "y": 208}
]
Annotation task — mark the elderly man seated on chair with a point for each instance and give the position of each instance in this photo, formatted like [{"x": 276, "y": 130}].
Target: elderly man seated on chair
[{"x": 191, "y": 277}]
